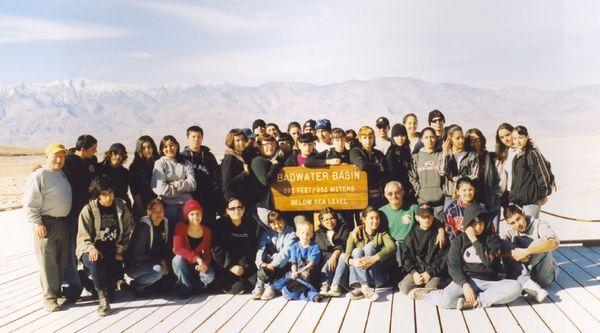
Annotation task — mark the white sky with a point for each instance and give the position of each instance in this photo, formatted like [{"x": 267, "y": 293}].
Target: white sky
[{"x": 544, "y": 44}]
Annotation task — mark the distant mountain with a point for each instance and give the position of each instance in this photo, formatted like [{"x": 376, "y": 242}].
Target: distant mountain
[{"x": 33, "y": 115}]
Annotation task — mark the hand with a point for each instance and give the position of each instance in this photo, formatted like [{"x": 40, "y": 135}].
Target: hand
[
  {"x": 41, "y": 231},
  {"x": 165, "y": 267},
  {"x": 440, "y": 240},
  {"x": 294, "y": 275},
  {"x": 332, "y": 263},
  {"x": 425, "y": 277},
  {"x": 333, "y": 161},
  {"x": 469, "y": 293},
  {"x": 270, "y": 267},
  {"x": 119, "y": 256},
  {"x": 246, "y": 168},
  {"x": 519, "y": 254},
  {"x": 35, "y": 167},
  {"x": 417, "y": 279},
  {"x": 543, "y": 201},
  {"x": 367, "y": 262},
  {"x": 446, "y": 146},
  {"x": 237, "y": 270},
  {"x": 356, "y": 234},
  {"x": 94, "y": 255},
  {"x": 470, "y": 232},
  {"x": 201, "y": 268}
]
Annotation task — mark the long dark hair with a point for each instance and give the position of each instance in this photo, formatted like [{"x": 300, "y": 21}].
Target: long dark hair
[
  {"x": 178, "y": 156},
  {"x": 501, "y": 148},
  {"x": 469, "y": 144},
  {"x": 522, "y": 130},
  {"x": 138, "y": 159}
]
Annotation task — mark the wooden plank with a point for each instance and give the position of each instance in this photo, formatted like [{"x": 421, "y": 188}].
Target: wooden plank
[
  {"x": 553, "y": 317},
  {"x": 22, "y": 300},
  {"x": 32, "y": 317},
  {"x": 502, "y": 319},
  {"x": 226, "y": 313},
  {"x": 92, "y": 316},
  {"x": 579, "y": 294},
  {"x": 21, "y": 313},
  {"x": 334, "y": 314},
  {"x": 19, "y": 284},
  {"x": 244, "y": 315},
  {"x": 265, "y": 316},
  {"x": 403, "y": 313},
  {"x": 163, "y": 313},
  {"x": 287, "y": 317},
  {"x": 356, "y": 316},
  {"x": 182, "y": 313},
  {"x": 527, "y": 318},
  {"x": 426, "y": 317},
  {"x": 590, "y": 254},
  {"x": 477, "y": 320},
  {"x": 579, "y": 256},
  {"x": 569, "y": 263},
  {"x": 19, "y": 264},
  {"x": 596, "y": 249},
  {"x": 17, "y": 275},
  {"x": 452, "y": 321},
  {"x": 55, "y": 320},
  {"x": 200, "y": 316},
  {"x": 381, "y": 312},
  {"x": 309, "y": 318},
  {"x": 576, "y": 313}
]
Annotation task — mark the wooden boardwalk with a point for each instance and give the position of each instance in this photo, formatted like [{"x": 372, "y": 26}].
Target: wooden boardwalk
[{"x": 573, "y": 306}]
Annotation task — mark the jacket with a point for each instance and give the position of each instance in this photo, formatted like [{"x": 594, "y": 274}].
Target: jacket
[
  {"x": 474, "y": 260},
  {"x": 236, "y": 182},
  {"x": 340, "y": 238},
  {"x": 532, "y": 178},
  {"x": 426, "y": 177},
  {"x": 399, "y": 163},
  {"x": 277, "y": 245},
  {"x": 142, "y": 241},
  {"x": 457, "y": 165},
  {"x": 453, "y": 218},
  {"x": 141, "y": 181},
  {"x": 265, "y": 172},
  {"x": 120, "y": 180},
  {"x": 80, "y": 173},
  {"x": 371, "y": 165},
  {"x": 168, "y": 172},
  {"x": 89, "y": 227},
  {"x": 235, "y": 245},
  {"x": 380, "y": 239},
  {"x": 492, "y": 192},
  {"x": 421, "y": 254},
  {"x": 319, "y": 160},
  {"x": 208, "y": 178},
  {"x": 181, "y": 245}
]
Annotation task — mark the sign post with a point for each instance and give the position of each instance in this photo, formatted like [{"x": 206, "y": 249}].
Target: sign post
[{"x": 341, "y": 187}]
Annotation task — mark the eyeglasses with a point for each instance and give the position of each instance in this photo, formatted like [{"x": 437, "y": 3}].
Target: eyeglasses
[
  {"x": 235, "y": 208},
  {"x": 437, "y": 120}
]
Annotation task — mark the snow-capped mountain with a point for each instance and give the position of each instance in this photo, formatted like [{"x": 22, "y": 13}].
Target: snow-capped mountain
[{"x": 36, "y": 114}]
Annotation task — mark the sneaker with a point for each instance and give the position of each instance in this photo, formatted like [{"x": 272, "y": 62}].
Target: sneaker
[
  {"x": 103, "y": 306},
  {"x": 463, "y": 304},
  {"x": 369, "y": 293},
  {"x": 324, "y": 289},
  {"x": 268, "y": 294},
  {"x": 335, "y": 291},
  {"x": 257, "y": 292},
  {"x": 52, "y": 305},
  {"x": 534, "y": 290},
  {"x": 318, "y": 298},
  {"x": 419, "y": 293},
  {"x": 355, "y": 294}
]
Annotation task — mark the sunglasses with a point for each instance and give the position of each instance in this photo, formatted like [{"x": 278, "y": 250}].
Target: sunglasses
[
  {"x": 437, "y": 120},
  {"x": 235, "y": 208}
]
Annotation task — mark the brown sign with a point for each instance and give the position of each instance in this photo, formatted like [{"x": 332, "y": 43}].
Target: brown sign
[{"x": 340, "y": 187}]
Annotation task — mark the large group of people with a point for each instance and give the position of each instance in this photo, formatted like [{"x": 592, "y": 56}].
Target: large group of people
[{"x": 179, "y": 221}]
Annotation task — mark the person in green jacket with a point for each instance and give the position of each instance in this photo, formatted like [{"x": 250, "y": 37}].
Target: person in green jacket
[{"x": 368, "y": 254}]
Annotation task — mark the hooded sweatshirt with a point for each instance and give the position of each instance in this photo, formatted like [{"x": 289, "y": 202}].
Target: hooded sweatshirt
[
  {"x": 426, "y": 177},
  {"x": 148, "y": 243},
  {"x": 473, "y": 260},
  {"x": 457, "y": 165},
  {"x": 277, "y": 245},
  {"x": 172, "y": 181},
  {"x": 532, "y": 178},
  {"x": 235, "y": 245},
  {"x": 207, "y": 174},
  {"x": 237, "y": 183},
  {"x": 420, "y": 253},
  {"x": 80, "y": 172}
]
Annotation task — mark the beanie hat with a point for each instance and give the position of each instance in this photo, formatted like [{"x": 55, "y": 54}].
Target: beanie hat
[
  {"x": 248, "y": 133},
  {"x": 398, "y": 129},
  {"x": 382, "y": 122},
  {"x": 309, "y": 123},
  {"x": 284, "y": 136},
  {"x": 258, "y": 123},
  {"x": 190, "y": 206},
  {"x": 323, "y": 124},
  {"x": 472, "y": 212},
  {"x": 436, "y": 114},
  {"x": 118, "y": 147}
]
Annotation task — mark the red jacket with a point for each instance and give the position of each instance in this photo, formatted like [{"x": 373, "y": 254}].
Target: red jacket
[{"x": 181, "y": 245}]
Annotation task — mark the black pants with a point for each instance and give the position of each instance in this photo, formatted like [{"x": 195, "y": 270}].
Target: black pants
[{"x": 105, "y": 271}]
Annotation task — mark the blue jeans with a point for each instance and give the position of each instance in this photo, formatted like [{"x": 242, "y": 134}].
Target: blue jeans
[
  {"x": 488, "y": 293},
  {"x": 187, "y": 276},
  {"x": 339, "y": 275},
  {"x": 373, "y": 276},
  {"x": 541, "y": 268},
  {"x": 298, "y": 289},
  {"x": 105, "y": 271},
  {"x": 145, "y": 274},
  {"x": 174, "y": 213}
]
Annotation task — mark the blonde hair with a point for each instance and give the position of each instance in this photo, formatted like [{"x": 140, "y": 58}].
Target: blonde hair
[{"x": 366, "y": 131}]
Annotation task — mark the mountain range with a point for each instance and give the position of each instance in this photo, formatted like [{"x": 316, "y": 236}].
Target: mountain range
[{"x": 32, "y": 115}]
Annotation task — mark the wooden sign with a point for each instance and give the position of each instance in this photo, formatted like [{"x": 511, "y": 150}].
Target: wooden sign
[{"x": 300, "y": 188}]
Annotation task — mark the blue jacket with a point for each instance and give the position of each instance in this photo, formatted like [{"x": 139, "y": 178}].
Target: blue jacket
[{"x": 276, "y": 245}]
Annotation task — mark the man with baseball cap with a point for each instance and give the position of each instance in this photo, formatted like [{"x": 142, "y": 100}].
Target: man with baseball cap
[
  {"x": 47, "y": 203},
  {"x": 437, "y": 121},
  {"x": 383, "y": 140}
]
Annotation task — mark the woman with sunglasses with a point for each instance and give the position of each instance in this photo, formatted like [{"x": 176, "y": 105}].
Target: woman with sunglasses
[{"x": 234, "y": 249}]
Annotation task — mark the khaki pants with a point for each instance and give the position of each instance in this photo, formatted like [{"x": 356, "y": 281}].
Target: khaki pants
[{"x": 52, "y": 254}]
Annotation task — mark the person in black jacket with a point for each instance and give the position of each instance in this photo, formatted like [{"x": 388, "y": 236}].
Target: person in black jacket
[
  {"x": 332, "y": 238},
  {"x": 265, "y": 167},
  {"x": 336, "y": 155},
  {"x": 399, "y": 161},
  {"x": 112, "y": 167},
  {"x": 368, "y": 159},
  {"x": 147, "y": 257},
  {"x": 207, "y": 173},
  {"x": 234, "y": 249},
  {"x": 306, "y": 149},
  {"x": 80, "y": 169},
  {"x": 235, "y": 170},
  {"x": 471, "y": 265},
  {"x": 422, "y": 258},
  {"x": 140, "y": 172}
]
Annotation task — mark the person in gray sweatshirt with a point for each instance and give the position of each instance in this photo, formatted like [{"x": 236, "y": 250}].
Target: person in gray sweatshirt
[
  {"x": 173, "y": 181},
  {"x": 47, "y": 203},
  {"x": 426, "y": 174}
]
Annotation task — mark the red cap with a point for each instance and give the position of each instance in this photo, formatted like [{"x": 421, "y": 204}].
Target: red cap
[{"x": 190, "y": 206}]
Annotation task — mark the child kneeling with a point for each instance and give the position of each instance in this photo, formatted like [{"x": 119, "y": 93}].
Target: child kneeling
[
  {"x": 305, "y": 257},
  {"x": 471, "y": 266}
]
